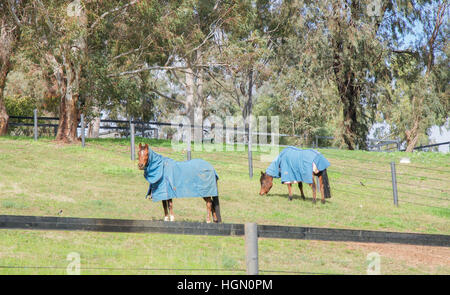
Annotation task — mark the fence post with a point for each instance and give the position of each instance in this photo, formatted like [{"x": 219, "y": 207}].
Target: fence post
[
  {"x": 132, "y": 140},
  {"x": 394, "y": 183},
  {"x": 82, "y": 130},
  {"x": 35, "y": 128},
  {"x": 188, "y": 143},
  {"x": 251, "y": 248},
  {"x": 188, "y": 152},
  {"x": 250, "y": 155}
]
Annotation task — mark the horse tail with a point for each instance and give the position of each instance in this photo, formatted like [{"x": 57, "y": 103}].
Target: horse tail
[
  {"x": 216, "y": 208},
  {"x": 326, "y": 184}
]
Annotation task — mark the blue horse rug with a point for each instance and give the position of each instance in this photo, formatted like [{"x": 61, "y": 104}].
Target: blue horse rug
[
  {"x": 294, "y": 164},
  {"x": 171, "y": 179}
]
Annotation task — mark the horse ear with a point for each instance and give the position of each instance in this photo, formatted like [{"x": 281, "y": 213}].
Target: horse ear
[
  {"x": 140, "y": 145},
  {"x": 262, "y": 173},
  {"x": 146, "y": 145}
]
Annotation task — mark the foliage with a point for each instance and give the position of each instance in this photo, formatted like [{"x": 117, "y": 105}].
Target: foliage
[
  {"x": 417, "y": 97},
  {"x": 324, "y": 67},
  {"x": 20, "y": 105}
]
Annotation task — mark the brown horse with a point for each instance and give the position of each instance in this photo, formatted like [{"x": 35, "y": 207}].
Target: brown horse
[
  {"x": 267, "y": 182},
  {"x": 212, "y": 203}
]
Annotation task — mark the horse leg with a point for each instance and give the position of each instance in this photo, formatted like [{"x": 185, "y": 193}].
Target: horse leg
[
  {"x": 208, "y": 209},
  {"x": 172, "y": 217},
  {"x": 290, "y": 191},
  {"x": 166, "y": 213},
  {"x": 216, "y": 209},
  {"x": 321, "y": 189},
  {"x": 213, "y": 210},
  {"x": 313, "y": 187},
  {"x": 300, "y": 186}
]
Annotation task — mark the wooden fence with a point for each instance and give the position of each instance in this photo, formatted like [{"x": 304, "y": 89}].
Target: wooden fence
[{"x": 251, "y": 231}]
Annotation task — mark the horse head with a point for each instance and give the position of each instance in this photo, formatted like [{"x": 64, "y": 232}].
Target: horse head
[
  {"x": 266, "y": 183},
  {"x": 143, "y": 156}
]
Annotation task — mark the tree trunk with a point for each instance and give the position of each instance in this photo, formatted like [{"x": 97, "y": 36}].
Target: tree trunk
[
  {"x": 349, "y": 96},
  {"x": 94, "y": 128},
  {"x": 248, "y": 106},
  {"x": 68, "y": 119},
  {"x": 68, "y": 111},
  {"x": 412, "y": 136},
  {"x": 3, "y": 114},
  {"x": 190, "y": 96},
  {"x": 199, "y": 101},
  {"x": 350, "y": 119},
  {"x": 8, "y": 42},
  {"x": 410, "y": 144}
]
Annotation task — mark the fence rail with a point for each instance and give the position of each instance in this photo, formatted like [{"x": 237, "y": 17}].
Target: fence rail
[
  {"x": 236, "y": 130},
  {"x": 373, "y": 143},
  {"x": 223, "y": 229},
  {"x": 429, "y": 145}
]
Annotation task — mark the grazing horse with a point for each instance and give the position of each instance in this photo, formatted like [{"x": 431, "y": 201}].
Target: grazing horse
[
  {"x": 173, "y": 179},
  {"x": 294, "y": 165}
]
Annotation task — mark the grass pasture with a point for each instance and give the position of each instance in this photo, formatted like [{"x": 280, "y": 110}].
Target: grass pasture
[{"x": 42, "y": 178}]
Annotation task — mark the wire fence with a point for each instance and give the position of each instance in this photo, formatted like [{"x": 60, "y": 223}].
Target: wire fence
[
  {"x": 95, "y": 262},
  {"x": 49, "y": 126},
  {"x": 170, "y": 270}
]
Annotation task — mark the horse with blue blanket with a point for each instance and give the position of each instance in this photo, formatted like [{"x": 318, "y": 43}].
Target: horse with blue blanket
[
  {"x": 294, "y": 165},
  {"x": 171, "y": 179}
]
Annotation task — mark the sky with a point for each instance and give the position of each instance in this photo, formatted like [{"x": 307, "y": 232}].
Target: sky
[{"x": 441, "y": 135}]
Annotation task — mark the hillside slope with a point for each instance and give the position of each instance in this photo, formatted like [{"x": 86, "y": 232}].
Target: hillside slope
[{"x": 42, "y": 178}]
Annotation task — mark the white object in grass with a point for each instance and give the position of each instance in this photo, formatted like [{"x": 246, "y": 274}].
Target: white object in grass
[{"x": 405, "y": 161}]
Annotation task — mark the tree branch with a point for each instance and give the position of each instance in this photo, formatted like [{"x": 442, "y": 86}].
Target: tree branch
[
  {"x": 111, "y": 11},
  {"x": 405, "y": 51},
  {"x": 166, "y": 97},
  {"x": 13, "y": 13},
  {"x": 132, "y": 72},
  {"x": 47, "y": 18}
]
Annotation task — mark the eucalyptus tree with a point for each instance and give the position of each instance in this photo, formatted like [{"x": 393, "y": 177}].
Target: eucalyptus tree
[
  {"x": 418, "y": 96},
  {"x": 13, "y": 16},
  {"x": 58, "y": 39},
  {"x": 356, "y": 63},
  {"x": 344, "y": 54},
  {"x": 172, "y": 42},
  {"x": 299, "y": 90},
  {"x": 326, "y": 62}
]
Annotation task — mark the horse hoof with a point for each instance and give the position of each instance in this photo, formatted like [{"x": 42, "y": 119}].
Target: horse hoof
[
  {"x": 172, "y": 218},
  {"x": 290, "y": 198},
  {"x": 166, "y": 218},
  {"x": 208, "y": 221},
  {"x": 313, "y": 201},
  {"x": 322, "y": 201},
  {"x": 303, "y": 198}
]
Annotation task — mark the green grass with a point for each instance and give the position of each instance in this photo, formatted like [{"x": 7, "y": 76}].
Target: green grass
[{"x": 42, "y": 178}]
